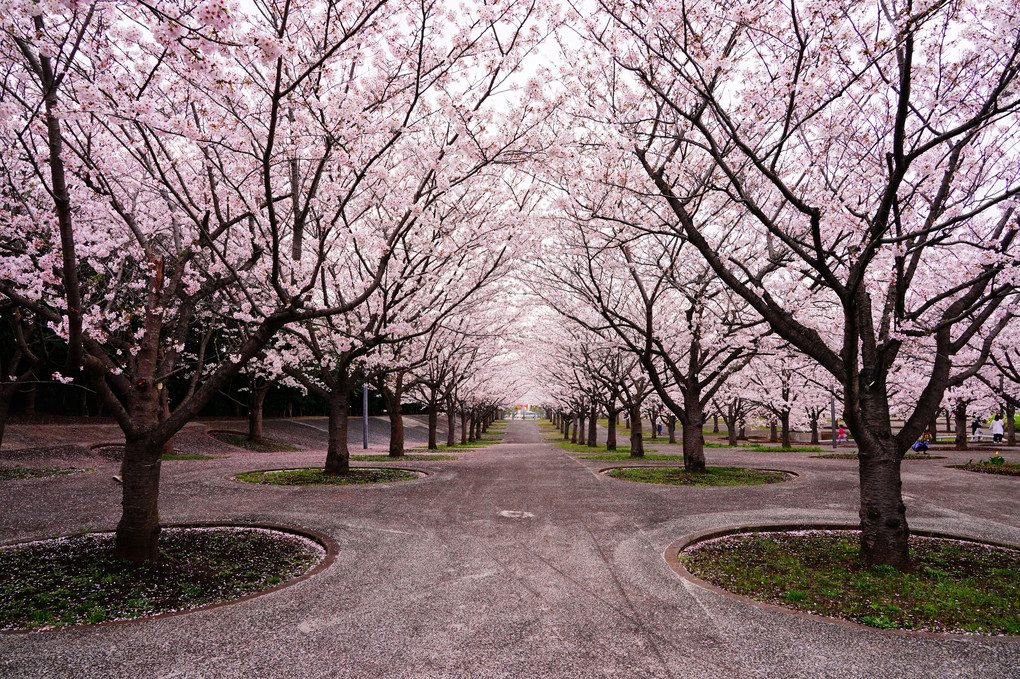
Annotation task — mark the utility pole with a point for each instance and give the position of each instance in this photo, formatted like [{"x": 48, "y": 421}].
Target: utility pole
[{"x": 364, "y": 414}]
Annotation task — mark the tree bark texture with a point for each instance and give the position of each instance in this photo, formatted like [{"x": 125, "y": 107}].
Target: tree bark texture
[
  {"x": 693, "y": 436},
  {"x": 434, "y": 427},
  {"x": 637, "y": 448},
  {"x": 338, "y": 456}
]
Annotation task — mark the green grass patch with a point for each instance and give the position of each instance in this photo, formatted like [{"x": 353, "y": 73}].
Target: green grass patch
[
  {"x": 761, "y": 448},
  {"x": 77, "y": 580},
  {"x": 242, "y": 441},
  {"x": 16, "y": 473},
  {"x": 316, "y": 477},
  {"x": 713, "y": 476},
  {"x": 413, "y": 458},
  {"x": 957, "y": 587}
]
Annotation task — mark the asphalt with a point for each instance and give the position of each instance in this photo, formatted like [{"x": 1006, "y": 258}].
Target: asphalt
[{"x": 516, "y": 560}]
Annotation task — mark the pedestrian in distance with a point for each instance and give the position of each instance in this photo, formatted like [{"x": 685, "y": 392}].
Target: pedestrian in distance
[
  {"x": 997, "y": 429},
  {"x": 841, "y": 435},
  {"x": 975, "y": 428}
]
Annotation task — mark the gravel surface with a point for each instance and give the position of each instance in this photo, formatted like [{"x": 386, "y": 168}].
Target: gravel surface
[{"x": 516, "y": 560}]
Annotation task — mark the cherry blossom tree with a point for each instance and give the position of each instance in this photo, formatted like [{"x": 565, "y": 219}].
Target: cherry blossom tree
[
  {"x": 184, "y": 167},
  {"x": 866, "y": 155}
]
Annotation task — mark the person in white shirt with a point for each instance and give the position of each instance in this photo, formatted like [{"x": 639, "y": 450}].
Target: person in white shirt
[{"x": 997, "y": 429}]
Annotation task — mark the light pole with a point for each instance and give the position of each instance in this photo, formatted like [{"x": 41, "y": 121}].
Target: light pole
[
  {"x": 832, "y": 415},
  {"x": 364, "y": 414}
]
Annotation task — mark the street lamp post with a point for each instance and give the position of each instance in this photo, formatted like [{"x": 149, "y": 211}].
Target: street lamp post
[{"x": 364, "y": 414}]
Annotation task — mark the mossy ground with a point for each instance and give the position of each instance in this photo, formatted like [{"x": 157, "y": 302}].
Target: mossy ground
[
  {"x": 77, "y": 580},
  {"x": 15, "y": 473},
  {"x": 957, "y": 586},
  {"x": 712, "y": 476},
  {"x": 316, "y": 477}
]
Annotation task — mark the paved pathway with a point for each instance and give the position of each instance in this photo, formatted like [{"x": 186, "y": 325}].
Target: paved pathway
[{"x": 513, "y": 561}]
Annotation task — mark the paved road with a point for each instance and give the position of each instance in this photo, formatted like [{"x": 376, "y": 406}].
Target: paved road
[{"x": 513, "y": 561}]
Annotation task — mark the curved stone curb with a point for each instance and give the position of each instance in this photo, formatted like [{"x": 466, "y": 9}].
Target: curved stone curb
[
  {"x": 672, "y": 557},
  {"x": 325, "y": 541},
  {"x": 93, "y": 448},
  {"x": 791, "y": 476},
  {"x": 424, "y": 475}
]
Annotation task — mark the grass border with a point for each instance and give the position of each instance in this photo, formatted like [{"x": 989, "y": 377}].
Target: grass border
[
  {"x": 672, "y": 556},
  {"x": 424, "y": 474},
  {"x": 322, "y": 539},
  {"x": 604, "y": 472}
]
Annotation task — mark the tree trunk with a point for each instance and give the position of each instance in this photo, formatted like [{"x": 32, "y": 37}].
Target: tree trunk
[
  {"x": 463, "y": 427},
  {"x": 256, "y": 398},
  {"x": 1010, "y": 424},
  {"x": 671, "y": 426},
  {"x": 566, "y": 427},
  {"x": 693, "y": 436},
  {"x": 396, "y": 414},
  {"x": 730, "y": 418},
  {"x": 338, "y": 456},
  {"x": 715, "y": 424},
  {"x": 637, "y": 446},
  {"x": 138, "y": 530},
  {"x": 611, "y": 430},
  {"x": 884, "y": 531},
  {"x": 814, "y": 429},
  {"x": 961, "y": 426},
  {"x": 592, "y": 433},
  {"x": 773, "y": 431},
  {"x": 434, "y": 427},
  {"x": 784, "y": 420}
]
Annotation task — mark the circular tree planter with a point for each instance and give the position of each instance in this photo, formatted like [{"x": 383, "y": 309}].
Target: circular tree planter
[
  {"x": 76, "y": 580},
  {"x": 115, "y": 451},
  {"x": 315, "y": 477},
  {"x": 962, "y": 585},
  {"x": 714, "y": 476}
]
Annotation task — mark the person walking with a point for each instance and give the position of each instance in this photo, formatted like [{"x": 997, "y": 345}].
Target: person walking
[
  {"x": 975, "y": 428},
  {"x": 997, "y": 429}
]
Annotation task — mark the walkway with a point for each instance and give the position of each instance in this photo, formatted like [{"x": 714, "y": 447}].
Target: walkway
[{"x": 513, "y": 561}]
